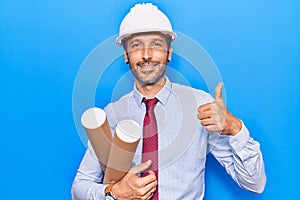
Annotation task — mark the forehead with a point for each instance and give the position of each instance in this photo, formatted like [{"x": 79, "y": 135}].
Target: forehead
[{"x": 147, "y": 37}]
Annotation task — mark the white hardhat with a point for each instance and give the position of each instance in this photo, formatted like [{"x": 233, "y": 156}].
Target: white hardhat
[{"x": 143, "y": 18}]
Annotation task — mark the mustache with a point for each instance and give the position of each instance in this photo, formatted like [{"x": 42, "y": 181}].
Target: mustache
[{"x": 147, "y": 62}]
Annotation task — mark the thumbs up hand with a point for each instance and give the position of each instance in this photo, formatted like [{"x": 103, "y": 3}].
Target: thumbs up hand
[{"x": 215, "y": 117}]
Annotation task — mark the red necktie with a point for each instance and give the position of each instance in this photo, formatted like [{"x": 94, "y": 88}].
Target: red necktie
[{"x": 150, "y": 143}]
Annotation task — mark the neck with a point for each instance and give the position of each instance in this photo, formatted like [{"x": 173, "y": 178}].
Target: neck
[{"x": 150, "y": 90}]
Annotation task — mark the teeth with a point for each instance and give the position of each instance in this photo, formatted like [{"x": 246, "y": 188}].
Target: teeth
[{"x": 148, "y": 66}]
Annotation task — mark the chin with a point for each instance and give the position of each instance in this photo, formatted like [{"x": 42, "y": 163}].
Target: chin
[{"x": 150, "y": 81}]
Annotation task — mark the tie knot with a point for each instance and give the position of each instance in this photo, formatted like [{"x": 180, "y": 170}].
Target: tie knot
[{"x": 150, "y": 103}]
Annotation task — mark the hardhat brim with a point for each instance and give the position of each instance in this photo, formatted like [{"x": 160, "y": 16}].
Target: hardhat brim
[{"x": 124, "y": 36}]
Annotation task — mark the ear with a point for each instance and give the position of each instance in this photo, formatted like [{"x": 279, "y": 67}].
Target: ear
[
  {"x": 170, "y": 53},
  {"x": 126, "y": 56}
]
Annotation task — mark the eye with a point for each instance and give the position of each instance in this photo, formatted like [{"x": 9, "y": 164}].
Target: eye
[
  {"x": 157, "y": 44},
  {"x": 136, "y": 45}
]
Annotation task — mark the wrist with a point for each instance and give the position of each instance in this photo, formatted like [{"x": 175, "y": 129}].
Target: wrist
[
  {"x": 233, "y": 125},
  {"x": 109, "y": 195},
  {"x": 114, "y": 190}
]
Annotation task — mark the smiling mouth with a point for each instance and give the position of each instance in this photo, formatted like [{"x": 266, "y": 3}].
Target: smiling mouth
[{"x": 147, "y": 66}]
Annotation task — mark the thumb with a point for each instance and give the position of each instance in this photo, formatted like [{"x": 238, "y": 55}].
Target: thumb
[
  {"x": 218, "y": 92},
  {"x": 141, "y": 167}
]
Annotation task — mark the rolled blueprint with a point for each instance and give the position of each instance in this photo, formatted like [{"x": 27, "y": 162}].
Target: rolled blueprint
[
  {"x": 125, "y": 142},
  {"x": 98, "y": 131}
]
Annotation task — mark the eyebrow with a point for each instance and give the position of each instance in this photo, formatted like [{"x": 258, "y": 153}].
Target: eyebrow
[
  {"x": 139, "y": 40},
  {"x": 134, "y": 40}
]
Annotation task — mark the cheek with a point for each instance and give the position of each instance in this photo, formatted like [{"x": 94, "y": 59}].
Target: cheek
[
  {"x": 161, "y": 56},
  {"x": 134, "y": 57}
]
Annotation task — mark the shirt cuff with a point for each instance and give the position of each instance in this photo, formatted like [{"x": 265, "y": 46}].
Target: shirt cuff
[
  {"x": 102, "y": 191},
  {"x": 239, "y": 140}
]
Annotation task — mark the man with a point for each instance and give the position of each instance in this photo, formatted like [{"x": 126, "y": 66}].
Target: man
[{"x": 186, "y": 124}]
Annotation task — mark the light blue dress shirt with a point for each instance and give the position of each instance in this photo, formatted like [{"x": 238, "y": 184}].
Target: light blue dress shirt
[{"x": 183, "y": 146}]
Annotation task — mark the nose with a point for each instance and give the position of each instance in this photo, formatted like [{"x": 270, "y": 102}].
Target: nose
[{"x": 147, "y": 54}]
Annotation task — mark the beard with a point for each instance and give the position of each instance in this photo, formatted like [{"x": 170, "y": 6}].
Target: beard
[{"x": 148, "y": 73}]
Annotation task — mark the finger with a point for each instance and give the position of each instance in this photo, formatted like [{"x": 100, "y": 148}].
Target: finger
[
  {"x": 205, "y": 114},
  {"x": 149, "y": 197},
  {"x": 151, "y": 191},
  {"x": 218, "y": 92},
  {"x": 207, "y": 122},
  {"x": 213, "y": 128},
  {"x": 141, "y": 167},
  {"x": 149, "y": 184},
  {"x": 148, "y": 179},
  {"x": 204, "y": 107},
  {"x": 150, "y": 172},
  {"x": 147, "y": 189}
]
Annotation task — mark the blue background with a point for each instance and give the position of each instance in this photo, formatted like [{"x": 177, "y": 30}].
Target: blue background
[{"x": 255, "y": 44}]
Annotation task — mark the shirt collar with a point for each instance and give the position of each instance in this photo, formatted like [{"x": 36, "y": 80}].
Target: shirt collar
[{"x": 162, "y": 95}]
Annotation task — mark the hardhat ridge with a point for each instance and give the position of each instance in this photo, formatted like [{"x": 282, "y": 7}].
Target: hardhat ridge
[{"x": 144, "y": 17}]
